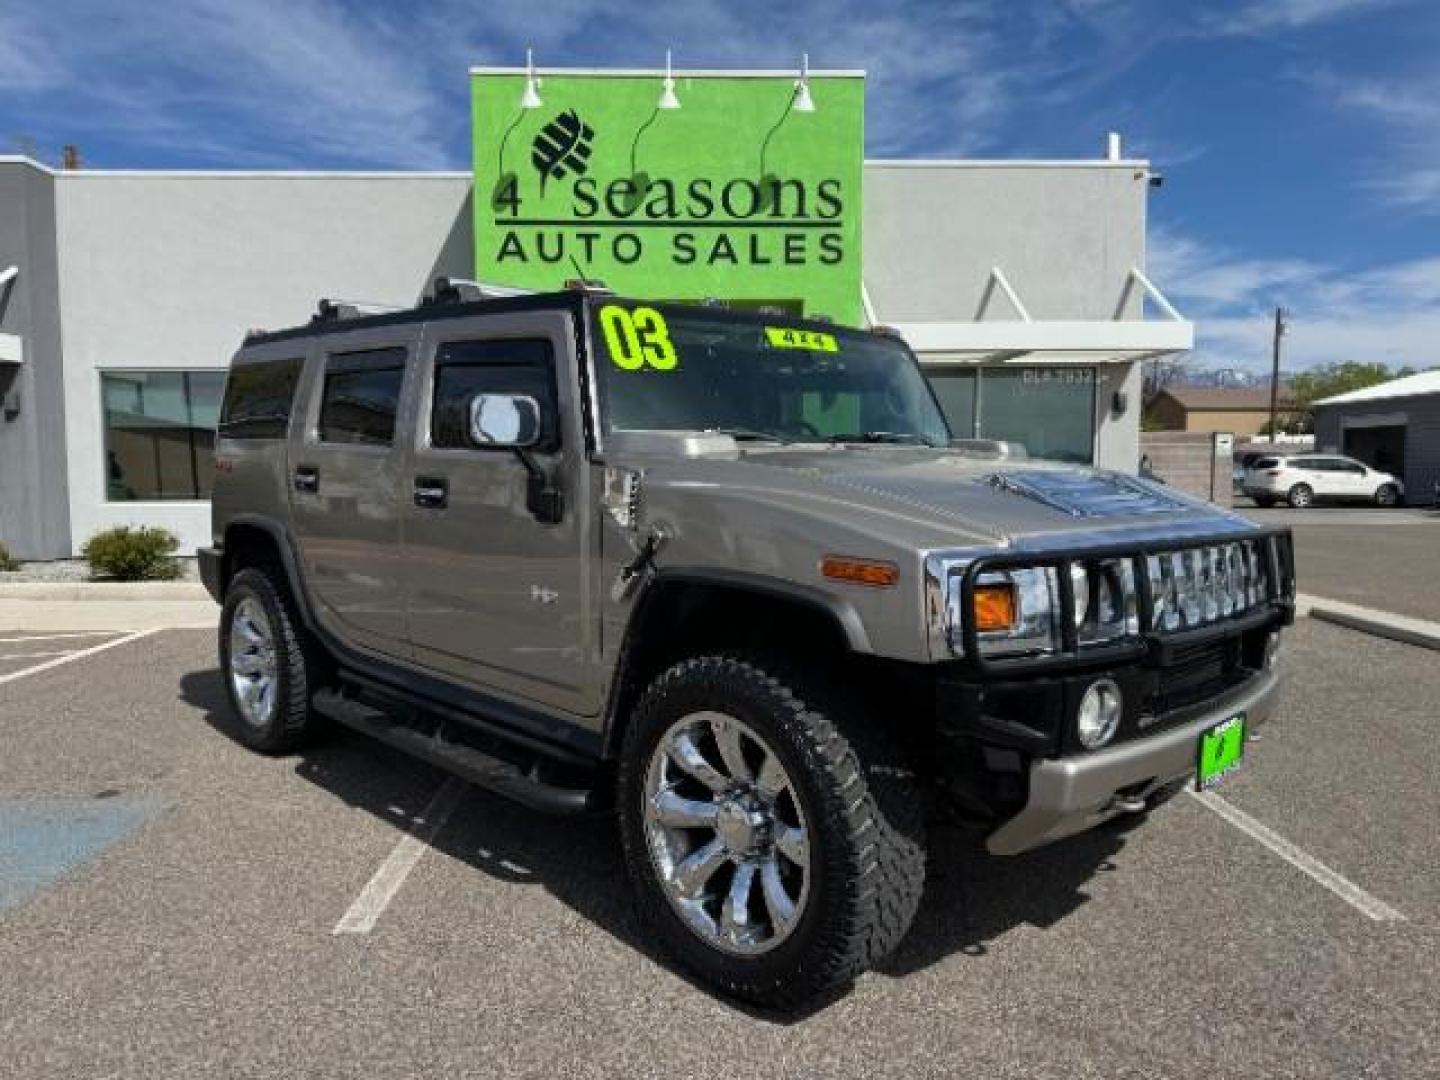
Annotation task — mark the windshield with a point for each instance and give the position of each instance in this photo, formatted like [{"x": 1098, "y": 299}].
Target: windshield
[{"x": 678, "y": 368}]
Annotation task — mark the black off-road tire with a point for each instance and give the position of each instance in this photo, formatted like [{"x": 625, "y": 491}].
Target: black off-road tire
[
  {"x": 1301, "y": 496},
  {"x": 300, "y": 669},
  {"x": 861, "y": 798}
]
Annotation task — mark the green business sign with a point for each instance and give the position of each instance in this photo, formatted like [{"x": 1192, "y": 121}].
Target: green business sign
[{"x": 733, "y": 195}]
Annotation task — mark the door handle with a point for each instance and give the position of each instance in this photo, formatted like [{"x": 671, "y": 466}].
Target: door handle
[
  {"x": 306, "y": 478},
  {"x": 432, "y": 492}
]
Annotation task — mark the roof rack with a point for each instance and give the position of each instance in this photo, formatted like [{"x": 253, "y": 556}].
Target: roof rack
[
  {"x": 335, "y": 310},
  {"x": 450, "y": 290}
]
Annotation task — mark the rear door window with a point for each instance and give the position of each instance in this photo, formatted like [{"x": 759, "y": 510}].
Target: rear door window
[
  {"x": 258, "y": 398},
  {"x": 362, "y": 396}
]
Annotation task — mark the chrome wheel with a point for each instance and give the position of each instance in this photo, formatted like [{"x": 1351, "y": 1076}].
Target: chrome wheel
[
  {"x": 254, "y": 671},
  {"x": 726, "y": 833}
]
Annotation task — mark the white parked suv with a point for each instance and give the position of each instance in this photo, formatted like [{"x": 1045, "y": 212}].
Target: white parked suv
[{"x": 1303, "y": 479}]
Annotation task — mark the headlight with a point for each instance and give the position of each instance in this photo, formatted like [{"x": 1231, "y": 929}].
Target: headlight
[{"x": 1098, "y": 716}]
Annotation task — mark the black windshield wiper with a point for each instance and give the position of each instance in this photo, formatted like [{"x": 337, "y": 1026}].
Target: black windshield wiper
[
  {"x": 899, "y": 437},
  {"x": 740, "y": 434}
]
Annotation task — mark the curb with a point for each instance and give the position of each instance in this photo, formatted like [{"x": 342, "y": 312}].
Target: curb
[
  {"x": 1383, "y": 624},
  {"x": 103, "y": 590}
]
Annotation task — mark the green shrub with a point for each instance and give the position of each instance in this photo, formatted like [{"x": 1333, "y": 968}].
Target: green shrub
[
  {"x": 8, "y": 561},
  {"x": 127, "y": 554}
]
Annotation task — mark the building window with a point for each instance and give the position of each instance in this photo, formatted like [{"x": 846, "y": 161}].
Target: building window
[
  {"x": 1048, "y": 410},
  {"x": 362, "y": 395},
  {"x": 501, "y": 366},
  {"x": 160, "y": 433}
]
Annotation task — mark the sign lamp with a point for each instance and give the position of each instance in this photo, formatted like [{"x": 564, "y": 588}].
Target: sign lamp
[
  {"x": 668, "y": 100},
  {"x": 802, "y": 101},
  {"x": 530, "y": 99}
]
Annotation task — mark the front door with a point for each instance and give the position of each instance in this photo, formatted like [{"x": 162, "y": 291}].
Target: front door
[
  {"x": 498, "y": 598},
  {"x": 344, "y": 476}
]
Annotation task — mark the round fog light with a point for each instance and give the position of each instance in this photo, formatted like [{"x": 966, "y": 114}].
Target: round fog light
[
  {"x": 1098, "y": 716},
  {"x": 1272, "y": 649}
]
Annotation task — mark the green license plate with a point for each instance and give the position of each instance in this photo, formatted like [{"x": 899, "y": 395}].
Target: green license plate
[{"x": 1221, "y": 749}]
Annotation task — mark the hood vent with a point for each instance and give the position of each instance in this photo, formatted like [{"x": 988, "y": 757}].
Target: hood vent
[{"x": 1087, "y": 494}]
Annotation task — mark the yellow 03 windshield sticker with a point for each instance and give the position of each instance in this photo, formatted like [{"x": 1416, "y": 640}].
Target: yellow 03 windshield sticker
[
  {"x": 779, "y": 337},
  {"x": 637, "y": 338}
]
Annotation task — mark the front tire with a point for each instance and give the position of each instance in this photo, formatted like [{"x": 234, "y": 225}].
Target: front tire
[
  {"x": 1301, "y": 496},
  {"x": 269, "y": 675},
  {"x": 776, "y": 842},
  {"x": 1387, "y": 495}
]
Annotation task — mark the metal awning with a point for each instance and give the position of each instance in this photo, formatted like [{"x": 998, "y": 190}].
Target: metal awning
[{"x": 1026, "y": 340}]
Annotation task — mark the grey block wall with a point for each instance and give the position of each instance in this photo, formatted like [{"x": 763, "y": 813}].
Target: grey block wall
[{"x": 1186, "y": 460}]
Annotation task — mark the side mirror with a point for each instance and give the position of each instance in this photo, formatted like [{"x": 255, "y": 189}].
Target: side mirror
[{"x": 504, "y": 421}]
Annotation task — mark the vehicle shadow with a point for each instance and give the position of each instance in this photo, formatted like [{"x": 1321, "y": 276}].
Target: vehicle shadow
[{"x": 971, "y": 898}]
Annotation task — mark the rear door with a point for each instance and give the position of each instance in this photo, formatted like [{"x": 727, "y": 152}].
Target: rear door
[
  {"x": 498, "y": 599},
  {"x": 345, "y": 479}
]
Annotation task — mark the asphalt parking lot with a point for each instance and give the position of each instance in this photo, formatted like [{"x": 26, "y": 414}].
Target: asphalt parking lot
[
  {"x": 172, "y": 905},
  {"x": 1382, "y": 559}
]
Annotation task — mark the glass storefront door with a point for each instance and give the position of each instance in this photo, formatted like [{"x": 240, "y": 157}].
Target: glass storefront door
[{"x": 1048, "y": 410}]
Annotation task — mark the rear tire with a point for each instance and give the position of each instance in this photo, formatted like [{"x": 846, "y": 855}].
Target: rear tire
[
  {"x": 1265, "y": 502},
  {"x": 270, "y": 668},
  {"x": 828, "y": 872},
  {"x": 1301, "y": 496},
  {"x": 1387, "y": 495}
]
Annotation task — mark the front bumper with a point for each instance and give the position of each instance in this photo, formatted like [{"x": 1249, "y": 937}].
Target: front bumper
[{"x": 1069, "y": 795}]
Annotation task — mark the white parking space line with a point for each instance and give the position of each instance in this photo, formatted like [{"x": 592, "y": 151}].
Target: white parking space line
[
  {"x": 81, "y": 655},
  {"x": 382, "y": 887},
  {"x": 1347, "y": 890},
  {"x": 6, "y": 639},
  {"x": 32, "y": 655}
]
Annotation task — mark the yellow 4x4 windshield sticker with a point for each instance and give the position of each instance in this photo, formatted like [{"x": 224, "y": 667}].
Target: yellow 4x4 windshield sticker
[
  {"x": 637, "y": 337},
  {"x": 780, "y": 337}
]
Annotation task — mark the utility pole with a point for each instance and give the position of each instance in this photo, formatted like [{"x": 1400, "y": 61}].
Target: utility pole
[{"x": 1280, "y": 328}]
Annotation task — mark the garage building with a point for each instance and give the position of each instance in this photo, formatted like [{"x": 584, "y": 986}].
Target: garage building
[{"x": 1394, "y": 426}]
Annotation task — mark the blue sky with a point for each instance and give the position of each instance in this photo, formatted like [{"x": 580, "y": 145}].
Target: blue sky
[{"x": 1300, "y": 139}]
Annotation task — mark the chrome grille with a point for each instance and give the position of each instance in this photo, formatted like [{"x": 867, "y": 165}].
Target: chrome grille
[{"x": 1203, "y": 585}]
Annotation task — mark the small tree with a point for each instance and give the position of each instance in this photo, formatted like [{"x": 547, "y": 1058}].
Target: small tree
[
  {"x": 8, "y": 561},
  {"x": 1308, "y": 387}
]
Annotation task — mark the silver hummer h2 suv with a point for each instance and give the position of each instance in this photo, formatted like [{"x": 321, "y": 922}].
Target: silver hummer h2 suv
[{"x": 728, "y": 574}]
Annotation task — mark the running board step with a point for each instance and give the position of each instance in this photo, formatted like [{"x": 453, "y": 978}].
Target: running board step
[{"x": 520, "y": 782}]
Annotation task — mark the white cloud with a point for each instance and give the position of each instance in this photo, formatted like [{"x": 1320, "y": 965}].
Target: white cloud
[
  {"x": 265, "y": 78},
  {"x": 1405, "y": 171},
  {"x": 1264, "y": 16},
  {"x": 1389, "y": 313}
]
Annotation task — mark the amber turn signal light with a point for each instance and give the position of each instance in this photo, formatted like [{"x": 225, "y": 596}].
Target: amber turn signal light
[
  {"x": 871, "y": 572},
  {"x": 995, "y": 607}
]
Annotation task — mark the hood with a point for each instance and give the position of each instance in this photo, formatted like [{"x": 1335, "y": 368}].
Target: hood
[{"x": 966, "y": 498}]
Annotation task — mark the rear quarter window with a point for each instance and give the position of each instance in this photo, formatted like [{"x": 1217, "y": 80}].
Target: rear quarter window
[
  {"x": 259, "y": 395},
  {"x": 1265, "y": 463}
]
